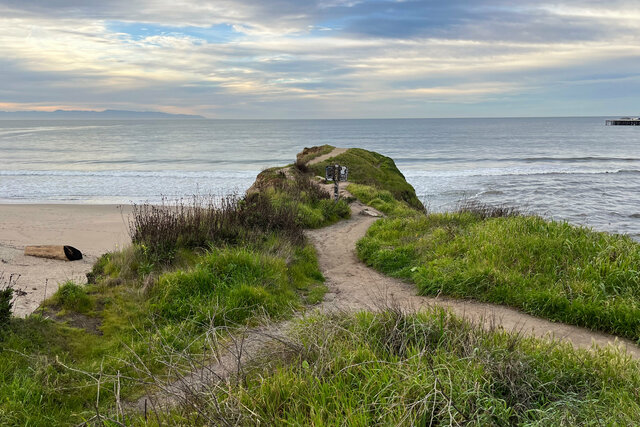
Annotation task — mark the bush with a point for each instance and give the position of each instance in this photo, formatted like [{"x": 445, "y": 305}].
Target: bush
[
  {"x": 6, "y": 296},
  {"x": 72, "y": 297},
  {"x": 6, "y": 304}
]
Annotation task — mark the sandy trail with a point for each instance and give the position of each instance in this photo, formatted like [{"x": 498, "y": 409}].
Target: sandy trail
[
  {"x": 335, "y": 152},
  {"x": 354, "y": 286}
]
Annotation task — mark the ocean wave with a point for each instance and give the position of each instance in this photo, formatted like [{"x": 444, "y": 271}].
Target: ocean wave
[
  {"x": 132, "y": 174},
  {"x": 541, "y": 159},
  {"x": 27, "y": 131},
  {"x": 580, "y": 159},
  {"x": 167, "y": 161},
  {"x": 511, "y": 172}
]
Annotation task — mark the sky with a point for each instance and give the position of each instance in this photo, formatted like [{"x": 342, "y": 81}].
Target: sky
[{"x": 324, "y": 58}]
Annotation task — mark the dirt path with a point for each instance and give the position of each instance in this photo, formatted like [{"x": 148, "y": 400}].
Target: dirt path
[
  {"x": 354, "y": 286},
  {"x": 335, "y": 152}
]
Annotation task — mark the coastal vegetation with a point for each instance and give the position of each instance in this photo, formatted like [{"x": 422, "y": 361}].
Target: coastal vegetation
[
  {"x": 374, "y": 170},
  {"x": 193, "y": 266},
  {"x": 546, "y": 268},
  {"x": 202, "y": 273},
  {"x": 6, "y": 298},
  {"x": 431, "y": 368}
]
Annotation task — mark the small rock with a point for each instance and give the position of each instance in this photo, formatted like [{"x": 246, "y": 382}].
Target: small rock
[{"x": 369, "y": 212}]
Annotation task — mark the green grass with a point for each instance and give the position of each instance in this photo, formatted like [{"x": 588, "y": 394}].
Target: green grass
[
  {"x": 72, "y": 297},
  {"x": 225, "y": 286},
  {"x": 375, "y": 170},
  {"x": 549, "y": 269},
  {"x": 229, "y": 284},
  {"x": 311, "y": 212},
  {"x": 424, "y": 369},
  {"x": 382, "y": 200}
]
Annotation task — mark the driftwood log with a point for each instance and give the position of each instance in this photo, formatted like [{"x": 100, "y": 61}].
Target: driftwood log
[{"x": 64, "y": 253}]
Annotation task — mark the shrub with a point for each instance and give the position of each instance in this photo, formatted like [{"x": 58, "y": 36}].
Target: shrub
[
  {"x": 484, "y": 211},
  {"x": 6, "y": 304},
  {"x": 7, "y": 286},
  {"x": 72, "y": 297}
]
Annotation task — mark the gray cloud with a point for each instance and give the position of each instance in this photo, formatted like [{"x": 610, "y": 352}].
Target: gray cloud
[{"x": 379, "y": 58}]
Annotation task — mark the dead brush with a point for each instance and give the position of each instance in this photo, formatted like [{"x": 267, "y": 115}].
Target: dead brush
[{"x": 201, "y": 221}]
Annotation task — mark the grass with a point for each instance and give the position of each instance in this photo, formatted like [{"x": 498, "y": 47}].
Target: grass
[
  {"x": 392, "y": 368},
  {"x": 546, "y": 268},
  {"x": 72, "y": 297},
  {"x": 382, "y": 200},
  {"x": 297, "y": 192},
  {"x": 374, "y": 170},
  {"x": 45, "y": 363}
]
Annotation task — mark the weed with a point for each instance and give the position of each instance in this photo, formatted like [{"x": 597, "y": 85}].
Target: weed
[
  {"x": 72, "y": 297},
  {"x": 484, "y": 211}
]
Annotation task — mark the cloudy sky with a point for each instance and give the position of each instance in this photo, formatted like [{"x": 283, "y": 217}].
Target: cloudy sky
[{"x": 323, "y": 58}]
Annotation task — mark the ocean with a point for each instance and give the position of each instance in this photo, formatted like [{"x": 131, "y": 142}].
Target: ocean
[{"x": 573, "y": 169}]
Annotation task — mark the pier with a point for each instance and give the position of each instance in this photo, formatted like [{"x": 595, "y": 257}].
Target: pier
[{"x": 624, "y": 121}]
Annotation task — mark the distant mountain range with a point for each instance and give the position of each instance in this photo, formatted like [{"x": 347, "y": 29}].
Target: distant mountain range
[{"x": 86, "y": 115}]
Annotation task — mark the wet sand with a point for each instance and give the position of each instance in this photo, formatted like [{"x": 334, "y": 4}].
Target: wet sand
[{"x": 93, "y": 229}]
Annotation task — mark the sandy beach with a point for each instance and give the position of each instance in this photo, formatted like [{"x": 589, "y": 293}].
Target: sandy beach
[{"x": 93, "y": 229}]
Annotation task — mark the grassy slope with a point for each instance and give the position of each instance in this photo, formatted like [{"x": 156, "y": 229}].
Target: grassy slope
[
  {"x": 314, "y": 208},
  {"x": 376, "y": 170},
  {"x": 426, "y": 369},
  {"x": 550, "y": 269},
  {"x": 165, "y": 292},
  {"x": 222, "y": 287}
]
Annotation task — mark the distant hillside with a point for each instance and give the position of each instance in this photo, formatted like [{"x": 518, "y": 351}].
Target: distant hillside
[{"x": 80, "y": 114}]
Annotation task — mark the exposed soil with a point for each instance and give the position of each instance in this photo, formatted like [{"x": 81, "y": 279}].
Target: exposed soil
[{"x": 77, "y": 320}]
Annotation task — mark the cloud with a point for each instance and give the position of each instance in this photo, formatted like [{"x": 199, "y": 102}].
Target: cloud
[{"x": 290, "y": 58}]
